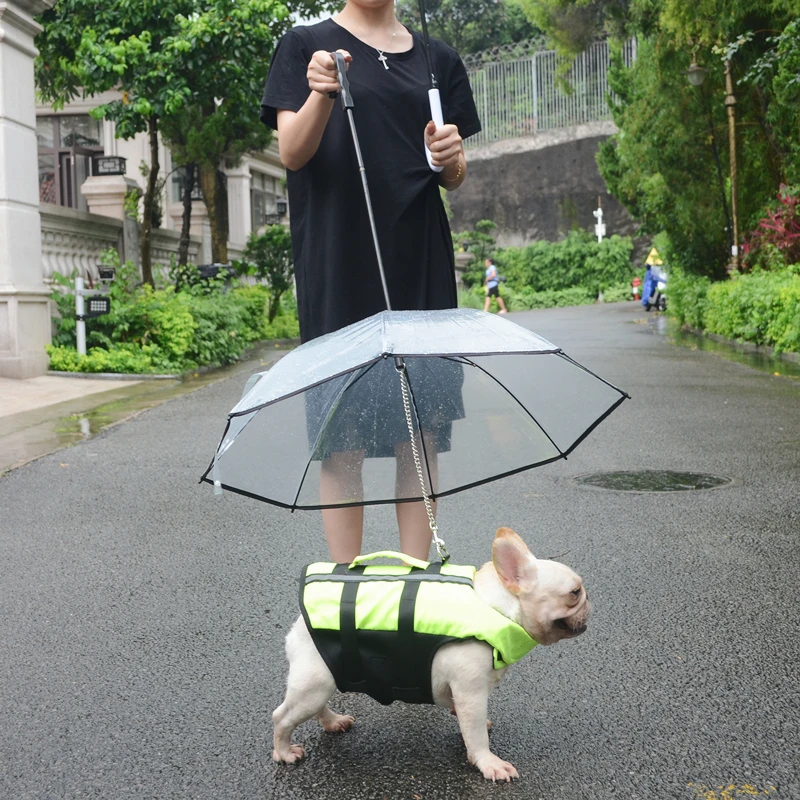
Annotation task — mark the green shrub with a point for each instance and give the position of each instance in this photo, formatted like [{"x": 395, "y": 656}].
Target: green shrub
[
  {"x": 762, "y": 308},
  {"x": 125, "y": 358},
  {"x": 688, "y": 297},
  {"x": 167, "y": 331},
  {"x": 618, "y": 293},
  {"x": 577, "y": 260}
]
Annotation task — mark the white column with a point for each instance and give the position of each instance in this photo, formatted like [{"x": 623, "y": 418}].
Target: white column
[
  {"x": 238, "y": 204},
  {"x": 24, "y": 298}
]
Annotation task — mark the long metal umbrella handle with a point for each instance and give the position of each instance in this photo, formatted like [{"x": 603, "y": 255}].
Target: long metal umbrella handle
[{"x": 347, "y": 105}]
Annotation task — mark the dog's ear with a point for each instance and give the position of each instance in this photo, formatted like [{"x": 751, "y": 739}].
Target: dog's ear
[{"x": 513, "y": 561}]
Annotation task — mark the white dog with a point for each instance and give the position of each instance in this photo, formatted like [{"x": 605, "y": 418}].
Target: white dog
[{"x": 545, "y": 598}]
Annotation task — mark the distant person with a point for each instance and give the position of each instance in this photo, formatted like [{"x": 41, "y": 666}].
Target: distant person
[{"x": 493, "y": 287}]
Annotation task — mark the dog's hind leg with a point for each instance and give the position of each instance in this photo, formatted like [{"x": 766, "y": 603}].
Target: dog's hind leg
[
  {"x": 309, "y": 687},
  {"x": 333, "y": 722}
]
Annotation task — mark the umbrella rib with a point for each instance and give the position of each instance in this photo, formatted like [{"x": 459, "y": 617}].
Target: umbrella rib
[
  {"x": 572, "y": 361},
  {"x": 520, "y": 404},
  {"x": 304, "y": 388},
  {"x": 344, "y": 388}
]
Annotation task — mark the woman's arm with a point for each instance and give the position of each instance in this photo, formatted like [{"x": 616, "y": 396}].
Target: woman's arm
[
  {"x": 453, "y": 176},
  {"x": 300, "y": 132}
]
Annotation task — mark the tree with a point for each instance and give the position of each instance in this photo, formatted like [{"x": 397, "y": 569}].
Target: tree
[
  {"x": 88, "y": 48},
  {"x": 669, "y": 164},
  {"x": 268, "y": 256},
  {"x": 481, "y": 244},
  {"x": 470, "y": 26},
  {"x": 170, "y": 60}
]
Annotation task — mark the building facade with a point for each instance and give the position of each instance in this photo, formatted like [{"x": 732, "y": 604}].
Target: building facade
[{"x": 72, "y": 193}]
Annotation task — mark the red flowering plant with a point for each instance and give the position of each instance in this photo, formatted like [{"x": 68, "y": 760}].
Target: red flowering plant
[{"x": 778, "y": 231}]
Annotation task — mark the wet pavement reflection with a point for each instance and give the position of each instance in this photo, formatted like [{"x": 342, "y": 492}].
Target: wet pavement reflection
[{"x": 30, "y": 435}]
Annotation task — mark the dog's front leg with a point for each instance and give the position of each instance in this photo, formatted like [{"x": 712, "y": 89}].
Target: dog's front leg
[
  {"x": 472, "y": 703},
  {"x": 463, "y": 673}
]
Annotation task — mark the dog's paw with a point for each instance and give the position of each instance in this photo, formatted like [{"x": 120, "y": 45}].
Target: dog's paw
[
  {"x": 294, "y": 753},
  {"x": 337, "y": 723},
  {"x": 495, "y": 769}
]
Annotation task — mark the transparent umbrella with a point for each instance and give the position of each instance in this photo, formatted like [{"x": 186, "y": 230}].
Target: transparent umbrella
[{"x": 476, "y": 396}]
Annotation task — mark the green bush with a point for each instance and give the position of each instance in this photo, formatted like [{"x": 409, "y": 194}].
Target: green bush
[
  {"x": 577, "y": 260},
  {"x": 761, "y": 307},
  {"x": 688, "y": 297},
  {"x": 527, "y": 299},
  {"x": 167, "y": 331}
]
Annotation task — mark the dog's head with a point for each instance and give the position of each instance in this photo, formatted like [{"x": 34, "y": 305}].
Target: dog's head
[{"x": 545, "y": 597}]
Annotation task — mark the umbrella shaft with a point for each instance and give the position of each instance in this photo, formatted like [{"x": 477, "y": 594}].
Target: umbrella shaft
[
  {"x": 363, "y": 172},
  {"x": 426, "y": 38}
]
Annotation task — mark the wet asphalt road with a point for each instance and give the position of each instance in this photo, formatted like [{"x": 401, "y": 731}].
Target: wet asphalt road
[{"x": 142, "y": 619}]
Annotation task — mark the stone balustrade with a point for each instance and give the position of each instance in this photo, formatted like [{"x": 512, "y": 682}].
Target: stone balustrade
[{"x": 75, "y": 240}]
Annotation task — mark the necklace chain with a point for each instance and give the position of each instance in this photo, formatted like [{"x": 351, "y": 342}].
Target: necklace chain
[{"x": 381, "y": 54}]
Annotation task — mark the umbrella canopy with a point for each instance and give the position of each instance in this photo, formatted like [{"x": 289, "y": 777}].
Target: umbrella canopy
[{"x": 327, "y": 427}]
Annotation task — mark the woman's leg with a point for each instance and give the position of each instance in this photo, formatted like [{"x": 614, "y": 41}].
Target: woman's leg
[
  {"x": 341, "y": 482},
  {"x": 412, "y": 518}
]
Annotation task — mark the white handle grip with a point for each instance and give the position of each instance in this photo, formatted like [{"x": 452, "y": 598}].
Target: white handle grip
[{"x": 438, "y": 119}]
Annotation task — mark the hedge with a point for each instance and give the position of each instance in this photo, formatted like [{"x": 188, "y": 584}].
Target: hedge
[{"x": 760, "y": 307}]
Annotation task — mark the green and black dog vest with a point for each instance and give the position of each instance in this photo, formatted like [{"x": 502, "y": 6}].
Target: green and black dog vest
[{"x": 378, "y": 627}]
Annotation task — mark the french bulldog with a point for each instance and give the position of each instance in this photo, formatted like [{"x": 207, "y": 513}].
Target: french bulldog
[{"x": 545, "y": 597}]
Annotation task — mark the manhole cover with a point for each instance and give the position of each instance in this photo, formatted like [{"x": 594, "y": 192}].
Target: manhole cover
[{"x": 653, "y": 480}]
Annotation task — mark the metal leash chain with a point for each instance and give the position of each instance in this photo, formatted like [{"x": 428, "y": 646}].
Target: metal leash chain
[{"x": 439, "y": 542}]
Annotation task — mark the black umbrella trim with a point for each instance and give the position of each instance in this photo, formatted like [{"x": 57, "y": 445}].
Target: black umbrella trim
[{"x": 435, "y": 496}]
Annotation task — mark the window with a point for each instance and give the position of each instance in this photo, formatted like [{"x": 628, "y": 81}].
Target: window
[
  {"x": 263, "y": 198},
  {"x": 66, "y": 146},
  {"x": 179, "y": 184}
]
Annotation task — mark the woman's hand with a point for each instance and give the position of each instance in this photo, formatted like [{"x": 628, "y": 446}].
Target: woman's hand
[
  {"x": 444, "y": 144},
  {"x": 321, "y": 73}
]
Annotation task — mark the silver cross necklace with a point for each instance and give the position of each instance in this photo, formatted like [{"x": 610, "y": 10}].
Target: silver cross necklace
[{"x": 381, "y": 55}]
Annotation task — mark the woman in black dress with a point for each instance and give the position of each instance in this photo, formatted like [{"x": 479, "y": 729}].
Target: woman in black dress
[{"x": 338, "y": 282}]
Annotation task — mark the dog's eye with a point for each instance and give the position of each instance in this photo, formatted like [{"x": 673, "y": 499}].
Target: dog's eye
[{"x": 576, "y": 592}]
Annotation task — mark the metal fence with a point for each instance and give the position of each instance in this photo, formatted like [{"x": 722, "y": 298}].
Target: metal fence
[{"x": 523, "y": 96}]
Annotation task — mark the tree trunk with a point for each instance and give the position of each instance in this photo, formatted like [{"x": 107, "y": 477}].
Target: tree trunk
[
  {"x": 149, "y": 201},
  {"x": 183, "y": 247},
  {"x": 216, "y": 199},
  {"x": 274, "y": 305},
  {"x": 720, "y": 176}
]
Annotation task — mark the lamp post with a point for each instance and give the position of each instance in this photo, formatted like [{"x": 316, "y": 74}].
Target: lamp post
[
  {"x": 696, "y": 75},
  {"x": 730, "y": 104}
]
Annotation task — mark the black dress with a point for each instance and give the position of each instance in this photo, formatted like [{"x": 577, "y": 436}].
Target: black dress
[{"x": 338, "y": 282}]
